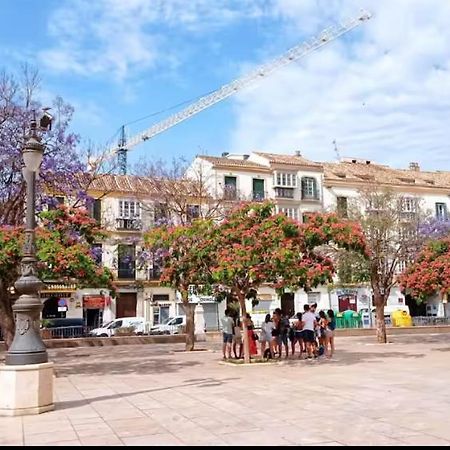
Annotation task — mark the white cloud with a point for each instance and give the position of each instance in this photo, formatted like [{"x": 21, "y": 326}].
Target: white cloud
[
  {"x": 382, "y": 94},
  {"x": 119, "y": 39}
]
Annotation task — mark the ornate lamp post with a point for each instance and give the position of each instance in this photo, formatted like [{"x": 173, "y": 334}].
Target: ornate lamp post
[{"x": 27, "y": 346}]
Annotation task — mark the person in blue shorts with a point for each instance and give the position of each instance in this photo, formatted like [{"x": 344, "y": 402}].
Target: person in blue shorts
[{"x": 227, "y": 323}]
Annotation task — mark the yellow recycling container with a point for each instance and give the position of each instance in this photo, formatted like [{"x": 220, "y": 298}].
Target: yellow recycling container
[{"x": 401, "y": 319}]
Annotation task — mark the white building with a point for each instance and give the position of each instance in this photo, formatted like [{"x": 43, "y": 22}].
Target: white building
[
  {"x": 298, "y": 186},
  {"x": 126, "y": 207}
]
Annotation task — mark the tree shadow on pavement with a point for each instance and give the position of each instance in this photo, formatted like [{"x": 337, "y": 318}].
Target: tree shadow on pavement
[
  {"x": 205, "y": 382},
  {"x": 119, "y": 366},
  {"x": 348, "y": 358}
]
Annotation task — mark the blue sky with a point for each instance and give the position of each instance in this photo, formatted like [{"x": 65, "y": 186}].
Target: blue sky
[{"x": 382, "y": 92}]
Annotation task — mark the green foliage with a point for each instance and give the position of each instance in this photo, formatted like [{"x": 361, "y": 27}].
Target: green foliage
[
  {"x": 63, "y": 243},
  {"x": 353, "y": 268},
  {"x": 186, "y": 253}
]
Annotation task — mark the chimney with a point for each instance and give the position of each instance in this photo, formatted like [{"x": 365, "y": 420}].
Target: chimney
[
  {"x": 225, "y": 154},
  {"x": 414, "y": 166},
  {"x": 298, "y": 153}
]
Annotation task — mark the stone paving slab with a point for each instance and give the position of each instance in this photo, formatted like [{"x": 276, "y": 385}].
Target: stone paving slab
[{"x": 369, "y": 394}]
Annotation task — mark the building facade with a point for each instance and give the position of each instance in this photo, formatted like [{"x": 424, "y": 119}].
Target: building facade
[
  {"x": 298, "y": 186},
  {"x": 127, "y": 206}
]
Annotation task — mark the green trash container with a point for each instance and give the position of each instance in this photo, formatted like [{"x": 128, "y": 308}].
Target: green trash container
[
  {"x": 356, "y": 320},
  {"x": 339, "y": 320},
  {"x": 348, "y": 318}
]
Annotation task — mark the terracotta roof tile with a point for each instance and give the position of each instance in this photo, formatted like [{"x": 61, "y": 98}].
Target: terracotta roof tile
[
  {"x": 291, "y": 160},
  {"x": 230, "y": 162},
  {"x": 122, "y": 183},
  {"x": 384, "y": 175}
]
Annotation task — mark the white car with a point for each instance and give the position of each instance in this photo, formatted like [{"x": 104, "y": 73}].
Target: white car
[
  {"x": 108, "y": 330},
  {"x": 172, "y": 325}
]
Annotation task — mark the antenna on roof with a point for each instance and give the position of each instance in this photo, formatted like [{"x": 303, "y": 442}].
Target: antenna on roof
[{"x": 336, "y": 150}]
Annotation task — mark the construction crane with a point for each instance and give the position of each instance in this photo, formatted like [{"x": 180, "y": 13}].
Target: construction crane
[{"x": 294, "y": 54}]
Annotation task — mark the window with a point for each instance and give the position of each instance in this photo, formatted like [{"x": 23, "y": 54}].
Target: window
[
  {"x": 258, "y": 189},
  {"x": 116, "y": 324},
  {"x": 230, "y": 188},
  {"x": 129, "y": 209},
  {"x": 409, "y": 205},
  {"x": 309, "y": 188},
  {"x": 292, "y": 213},
  {"x": 126, "y": 261},
  {"x": 97, "y": 210},
  {"x": 407, "y": 233},
  {"x": 193, "y": 212},
  {"x": 342, "y": 206},
  {"x": 154, "y": 272},
  {"x": 441, "y": 211},
  {"x": 408, "y": 208},
  {"x": 285, "y": 179},
  {"x": 402, "y": 265},
  {"x": 161, "y": 212},
  {"x": 97, "y": 250},
  {"x": 160, "y": 313},
  {"x": 284, "y": 192}
]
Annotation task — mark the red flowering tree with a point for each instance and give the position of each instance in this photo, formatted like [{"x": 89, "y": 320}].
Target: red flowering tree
[
  {"x": 430, "y": 273},
  {"x": 254, "y": 247},
  {"x": 64, "y": 241},
  {"x": 185, "y": 255}
]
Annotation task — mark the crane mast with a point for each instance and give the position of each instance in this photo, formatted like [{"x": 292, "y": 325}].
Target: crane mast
[{"x": 293, "y": 54}]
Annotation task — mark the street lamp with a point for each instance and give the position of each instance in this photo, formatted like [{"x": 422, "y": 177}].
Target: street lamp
[{"x": 27, "y": 346}]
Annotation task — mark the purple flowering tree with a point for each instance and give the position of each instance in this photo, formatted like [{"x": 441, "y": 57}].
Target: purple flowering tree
[
  {"x": 61, "y": 166},
  {"x": 434, "y": 229}
]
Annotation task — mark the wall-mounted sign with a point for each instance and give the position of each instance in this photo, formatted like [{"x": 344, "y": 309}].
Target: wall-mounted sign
[{"x": 93, "y": 302}]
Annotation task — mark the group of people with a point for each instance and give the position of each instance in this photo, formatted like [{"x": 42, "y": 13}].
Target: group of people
[{"x": 310, "y": 332}]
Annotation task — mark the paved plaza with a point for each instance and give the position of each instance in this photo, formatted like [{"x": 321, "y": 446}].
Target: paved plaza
[{"x": 398, "y": 394}]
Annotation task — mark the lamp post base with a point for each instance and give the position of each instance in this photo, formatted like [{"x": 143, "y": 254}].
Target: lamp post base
[
  {"x": 26, "y": 389},
  {"x": 26, "y": 358}
]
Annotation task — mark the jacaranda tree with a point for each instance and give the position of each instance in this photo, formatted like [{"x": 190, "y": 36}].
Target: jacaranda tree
[
  {"x": 185, "y": 254},
  {"x": 64, "y": 241},
  {"x": 254, "y": 246},
  {"x": 61, "y": 165}
]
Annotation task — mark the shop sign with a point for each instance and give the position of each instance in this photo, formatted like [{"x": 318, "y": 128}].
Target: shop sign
[{"x": 93, "y": 302}]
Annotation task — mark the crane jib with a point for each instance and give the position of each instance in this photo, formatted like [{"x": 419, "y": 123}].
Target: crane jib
[{"x": 293, "y": 54}]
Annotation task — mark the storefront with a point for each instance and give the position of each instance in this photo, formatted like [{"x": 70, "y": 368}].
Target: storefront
[
  {"x": 59, "y": 301},
  {"x": 93, "y": 309}
]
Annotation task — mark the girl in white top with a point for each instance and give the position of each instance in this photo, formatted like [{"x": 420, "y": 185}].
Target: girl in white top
[{"x": 266, "y": 333}]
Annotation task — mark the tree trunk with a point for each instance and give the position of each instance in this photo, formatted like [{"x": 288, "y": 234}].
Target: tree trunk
[
  {"x": 7, "y": 323},
  {"x": 381, "y": 325},
  {"x": 241, "y": 298},
  {"x": 189, "y": 310}
]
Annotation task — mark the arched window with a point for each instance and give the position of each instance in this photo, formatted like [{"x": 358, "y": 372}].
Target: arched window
[{"x": 310, "y": 189}]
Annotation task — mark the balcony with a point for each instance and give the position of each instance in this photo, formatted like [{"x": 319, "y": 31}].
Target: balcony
[
  {"x": 154, "y": 274},
  {"x": 129, "y": 224},
  {"x": 127, "y": 273},
  {"x": 310, "y": 197},
  {"x": 284, "y": 192},
  {"x": 259, "y": 196},
  {"x": 230, "y": 193}
]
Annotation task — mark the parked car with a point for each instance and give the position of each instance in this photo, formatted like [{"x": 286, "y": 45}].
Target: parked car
[
  {"x": 172, "y": 325},
  {"x": 108, "y": 330}
]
